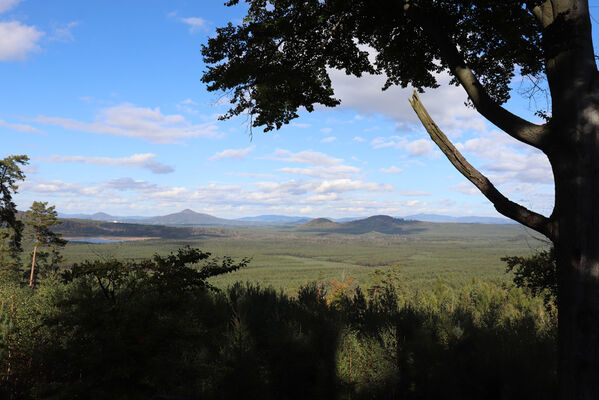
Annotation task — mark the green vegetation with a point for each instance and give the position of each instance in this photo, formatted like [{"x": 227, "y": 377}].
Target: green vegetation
[
  {"x": 287, "y": 259},
  {"x": 38, "y": 221},
  {"x": 153, "y": 329},
  {"x": 354, "y": 315},
  {"x": 11, "y": 229}
]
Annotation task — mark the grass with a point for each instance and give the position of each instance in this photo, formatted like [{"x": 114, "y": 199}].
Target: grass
[{"x": 287, "y": 259}]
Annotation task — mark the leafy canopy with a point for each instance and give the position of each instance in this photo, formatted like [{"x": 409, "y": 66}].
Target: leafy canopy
[{"x": 278, "y": 60}]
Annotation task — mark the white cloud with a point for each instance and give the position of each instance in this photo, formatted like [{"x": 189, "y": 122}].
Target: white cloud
[
  {"x": 359, "y": 139},
  {"x": 326, "y": 130},
  {"x": 236, "y": 154},
  {"x": 17, "y": 41},
  {"x": 416, "y": 148},
  {"x": 144, "y": 161},
  {"x": 346, "y": 185},
  {"x": 138, "y": 122},
  {"x": 445, "y": 104},
  {"x": 123, "y": 184},
  {"x": 420, "y": 147},
  {"x": 63, "y": 32},
  {"x": 20, "y": 127},
  {"x": 306, "y": 157},
  {"x": 328, "y": 139},
  {"x": 392, "y": 170},
  {"x": 333, "y": 171},
  {"x": 465, "y": 187},
  {"x": 195, "y": 24},
  {"x": 6, "y": 5},
  {"x": 508, "y": 160},
  {"x": 187, "y": 106},
  {"x": 300, "y": 125}
]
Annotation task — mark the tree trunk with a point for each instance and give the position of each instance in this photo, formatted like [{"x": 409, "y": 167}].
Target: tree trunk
[
  {"x": 33, "y": 265},
  {"x": 576, "y": 168}
]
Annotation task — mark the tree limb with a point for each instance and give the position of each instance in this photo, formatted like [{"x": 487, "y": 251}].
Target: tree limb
[
  {"x": 502, "y": 204},
  {"x": 515, "y": 126},
  {"x": 542, "y": 12}
]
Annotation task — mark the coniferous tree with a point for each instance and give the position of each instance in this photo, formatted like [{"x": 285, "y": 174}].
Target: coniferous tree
[
  {"x": 11, "y": 228},
  {"x": 38, "y": 221}
]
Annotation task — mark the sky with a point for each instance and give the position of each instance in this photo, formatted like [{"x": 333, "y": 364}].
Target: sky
[{"x": 105, "y": 98}]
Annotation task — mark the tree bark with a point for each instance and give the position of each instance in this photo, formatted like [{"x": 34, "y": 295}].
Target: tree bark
[
  {"x": 31, "y": 276},
  {"x": 576, "y": 220}
]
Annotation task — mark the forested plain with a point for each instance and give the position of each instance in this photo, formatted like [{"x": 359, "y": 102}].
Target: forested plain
[{"x": 283, "y": 313}]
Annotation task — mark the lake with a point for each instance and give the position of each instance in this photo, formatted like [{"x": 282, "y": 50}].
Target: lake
[{"x": 96, "y": 240}]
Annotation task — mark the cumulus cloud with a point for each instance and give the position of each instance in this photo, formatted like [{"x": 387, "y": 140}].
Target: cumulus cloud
[
  {"x": 6, "y": 5},
  {"x": 347, "y": 185},
  {"x": 333, "y": 171},
  {"x": 17, "y": 41},
  {"x": 416, "y": 148},
  {"x": 508, "y": 160},
  {"x": 236, "y": 154},
  {"x": 420, "y": 147},
  {"x": 123, "y": 184},
  {"x": 306, "y": 157},
  {"x": 392, "y": 170},
  {"x": 20, "y": 127},
  {"x": 195, "y": 24},
  {"x": 143, "y": 123},
  {"x": 144, "y": 161},
  {"x": 328, "y": 139},
  {"x": 445, "y": 104}
]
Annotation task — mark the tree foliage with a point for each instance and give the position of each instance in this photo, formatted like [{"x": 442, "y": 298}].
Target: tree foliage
[
  {"x": 39, "y": 220},
  {"x": 278, "y": 60},
  {"x": 537, "y": 273},
  {"x": 10, "y": 227}
]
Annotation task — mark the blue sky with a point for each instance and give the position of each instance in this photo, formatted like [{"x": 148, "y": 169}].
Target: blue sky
[{"x": 106, "y": 99}]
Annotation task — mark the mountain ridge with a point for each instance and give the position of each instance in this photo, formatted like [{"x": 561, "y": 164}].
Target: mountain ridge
[{"x": 189, "y": 217}]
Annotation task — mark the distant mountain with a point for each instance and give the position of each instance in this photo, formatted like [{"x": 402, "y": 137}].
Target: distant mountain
[
  {"x": 188, "y": 217},
  {"x": 347, "y": 219},
  {"x": 101, "y": 216},
  {"x": 274, "y": 219},
  {"x": 377, "y": 223},
  {"x": 462, "y": 220},
  {"x": 88, "y": 228},
  {"x": 319, "y": 224}
]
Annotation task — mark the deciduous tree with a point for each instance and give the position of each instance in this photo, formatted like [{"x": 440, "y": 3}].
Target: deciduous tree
[{"x": 278, "y": 61}]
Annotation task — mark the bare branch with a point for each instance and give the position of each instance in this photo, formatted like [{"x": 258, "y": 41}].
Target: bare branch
[
  {"x": 502, "y": 204},
  {"x": 515, "y": 126}
]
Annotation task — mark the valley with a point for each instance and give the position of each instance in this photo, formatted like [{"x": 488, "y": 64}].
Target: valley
[{"x": 287, "y": 256}]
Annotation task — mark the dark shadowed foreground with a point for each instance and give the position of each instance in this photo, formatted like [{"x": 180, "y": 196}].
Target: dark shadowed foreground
[{"x": 157, "y": 330}]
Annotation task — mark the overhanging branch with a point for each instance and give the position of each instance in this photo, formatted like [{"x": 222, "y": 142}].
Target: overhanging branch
[
  {"x": 515, "y": 126},
  {"x": 502, "y": 204}
]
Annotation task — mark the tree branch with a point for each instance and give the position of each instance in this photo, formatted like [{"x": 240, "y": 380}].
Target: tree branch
[
  {"x": 502, "y": 204},
  {"x": 515, "y": 126},
  {"x": 542, "y": 12}
]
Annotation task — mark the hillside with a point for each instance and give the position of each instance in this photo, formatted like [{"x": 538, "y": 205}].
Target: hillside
[
  {"x": 88, "y": 228},
  {"x": 188, "y": 217},
  {"x": 460, "y": 220},
  {"x": 377, "y": 223}
]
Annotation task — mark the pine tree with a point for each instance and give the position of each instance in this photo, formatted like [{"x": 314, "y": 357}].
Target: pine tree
[
  {"x": 38, "y": 221},
  {"x": 10, "y": 227}
]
